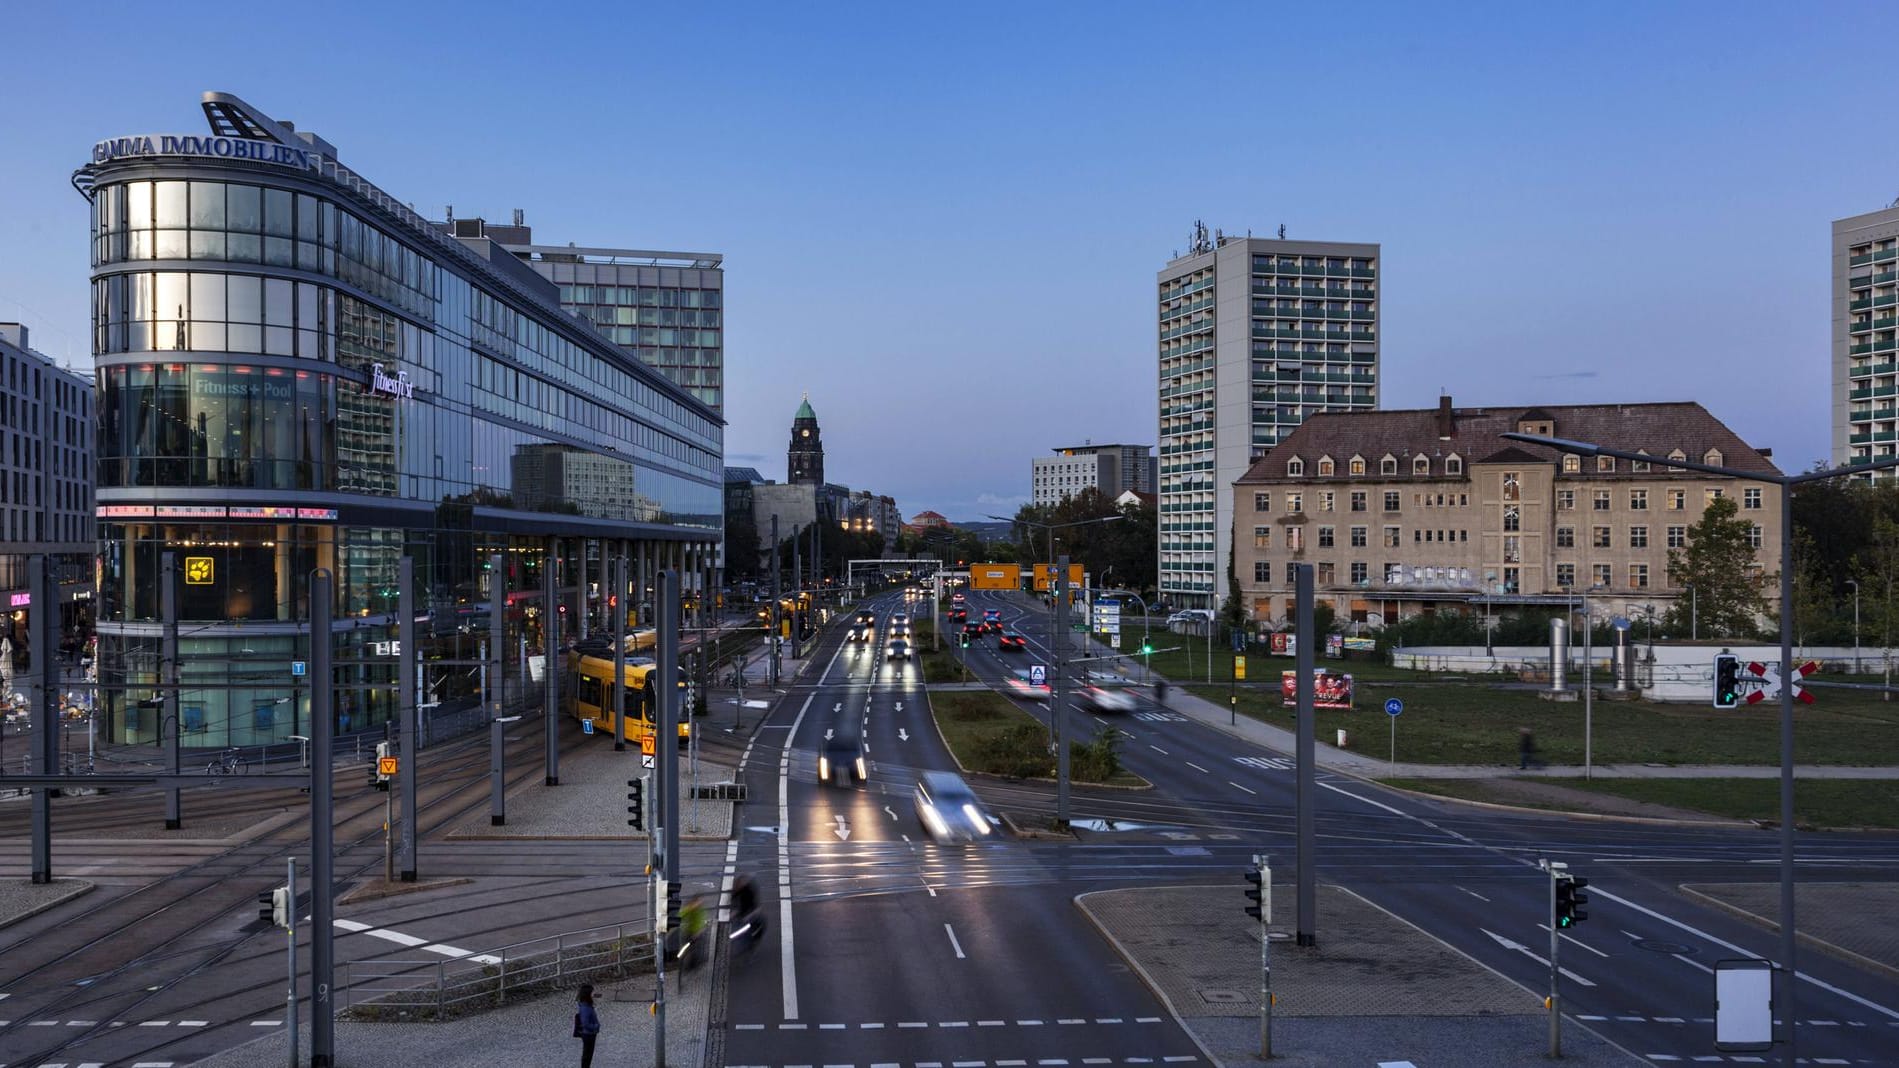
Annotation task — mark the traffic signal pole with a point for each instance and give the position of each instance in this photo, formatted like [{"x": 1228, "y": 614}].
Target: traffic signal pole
[
  {"x": 408, "y": 738},
  {"x": 1555, "y": 1006},
  {"x": 170, "y": 725},
  {"x": 322, "y": 826},
  {"x": 550, "y": 651},
  {"x": 1306, "y": 795},
  {"x": 1058, "y": 646}
]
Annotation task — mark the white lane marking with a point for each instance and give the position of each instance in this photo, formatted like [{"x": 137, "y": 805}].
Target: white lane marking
[
  {"x": 793, "y": 1027},
  {"x": 152, "y": 1064},
  {"x": 84, "y": 1023},
  {"x": 156, "y": 1023},
  {"x": 990, "y": 1023},
  {"x": 831, "y": 1027},
  {"x": 1147, "y": 1019},
  {"x": 1231, "y": 783},
  {"x": 1671, "y": 921},
  {"x": 911, "y": 1023},
  {"x": 1197, "y": 768},
  {"x": 750, "y": 1027},
  {"x": 954, "y": 1023},
  {"x": 1028, "y": 1023},
  {"x": 1157, "y": 749},
  {"x": 1367, "y": 800},
  {"x": 954, "y": 944},
  {"x": 1481, "y": 897},
  {"x": 787, "y": 962},
  {"x": 1107, "y": 1019},
  {"x": 1528, "y": 952},
  {"x": 352, "y": 925},
  {"x": 407, "y": 941},
  {"x": 194, "y": 1023},
  {"x": 267, "y": 1023},
  {"x": 871, "y": 1026},
  {"x": 1572, "y": 941},
  {"x": 1383, "y": 1064}
]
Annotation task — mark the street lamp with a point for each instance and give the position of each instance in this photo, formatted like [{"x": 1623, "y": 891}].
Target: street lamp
[
  {"x": 1855, "y": 585},
  {"x": 1789, "y": 943}
]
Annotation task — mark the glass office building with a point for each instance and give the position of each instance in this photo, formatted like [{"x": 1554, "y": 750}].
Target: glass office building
[{"x": 296, "y": 371}]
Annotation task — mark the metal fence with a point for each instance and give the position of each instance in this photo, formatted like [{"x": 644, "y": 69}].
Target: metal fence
[{"x": 437, "y": 989}]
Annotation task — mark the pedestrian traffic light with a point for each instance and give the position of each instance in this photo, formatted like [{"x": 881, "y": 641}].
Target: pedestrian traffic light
[
  {"x": 274, "y": 905},
  {"x": 672, "y": 905},
  {"x": 266, "y": 904},
  {"x": 1727, "y": 680},
  {"x": 636, "y": 811},
  {"x": 662, "y": 908},
  {"x": 1261, "y": 878},
  {"x": 1570, "y": 899}
]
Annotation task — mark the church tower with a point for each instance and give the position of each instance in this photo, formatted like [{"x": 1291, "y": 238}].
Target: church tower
[{"x": 804, "y": 461}]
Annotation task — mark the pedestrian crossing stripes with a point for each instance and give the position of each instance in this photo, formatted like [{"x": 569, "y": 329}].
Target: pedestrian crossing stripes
[
  {"x": 1266, "y": 763},
  {"x": 1161, "y": 717},
  {"x": 1020, "y": 1062},
  {"x": 789, "y": 1025}
]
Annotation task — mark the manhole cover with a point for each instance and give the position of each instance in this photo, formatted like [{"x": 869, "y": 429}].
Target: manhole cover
[
  {"x": 1218, "y": 996},
  {"x": 1656, "y": 945}
]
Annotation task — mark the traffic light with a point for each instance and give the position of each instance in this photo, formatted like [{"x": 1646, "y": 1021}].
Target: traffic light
[
  {"x": 1570, "y": 899},
  {"x": 672, "y": 905},
  {"x": 636, "y": 809},
  {"x": 1727, "y": 680},
  {"x": 663, "y": 911},
  {"x": 962, "y": 638},
  {"x": 274, "y": 905},
  {"x": 1146, "y": 647},
  {"x": 1260, "y": 876}
]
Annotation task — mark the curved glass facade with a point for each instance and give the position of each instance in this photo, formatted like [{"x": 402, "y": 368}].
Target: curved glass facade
[{"x": 292, "y": 377}]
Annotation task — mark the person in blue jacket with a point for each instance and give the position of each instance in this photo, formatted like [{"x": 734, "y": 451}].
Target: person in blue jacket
[{"x": 586, "y": 1024}]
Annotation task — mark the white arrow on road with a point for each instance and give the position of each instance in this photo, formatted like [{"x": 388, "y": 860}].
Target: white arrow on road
[
  {"x": 903, "y": 735},
  {"x": 1525, "y": 950},
  {"x": 893, "y": 812},
  {"x": 839, "y": 707},
  {"x": 899, "y": 706},
  {"x": 827, "y": 733},
  {"x": 843, "y": 829}
]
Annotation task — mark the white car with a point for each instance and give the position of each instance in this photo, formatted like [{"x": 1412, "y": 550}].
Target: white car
[
  {"x": 899, "y": 619},
  {"x": 1191, "y": 615},
  {"x": 1102, "y": 699}
]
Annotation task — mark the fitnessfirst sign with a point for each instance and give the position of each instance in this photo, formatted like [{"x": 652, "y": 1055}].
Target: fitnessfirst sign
[
  {"x": 397, "y": 385},
  {"x": 206, "y": 146}
]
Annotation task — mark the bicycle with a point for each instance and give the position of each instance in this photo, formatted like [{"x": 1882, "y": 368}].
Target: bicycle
[{"x": 227, "y": 763}]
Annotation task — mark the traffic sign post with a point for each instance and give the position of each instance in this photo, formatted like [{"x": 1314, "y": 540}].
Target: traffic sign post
[
  {"x": 1767, "y": 678},
  {"x": 1393, "y": 708},
  {"x": 1038, "y": 675}
]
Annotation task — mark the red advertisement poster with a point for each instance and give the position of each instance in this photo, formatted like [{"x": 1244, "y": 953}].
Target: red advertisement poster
[{"x": 1330, "y": 689}]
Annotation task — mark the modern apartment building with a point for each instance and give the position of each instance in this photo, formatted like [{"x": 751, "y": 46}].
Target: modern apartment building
[
  {"x": 666, "y": 308},
  {"x": 1407, "y": 512},
  {"x": 1112, "y": 469},
  {"x": 1256, "y": 335},
  {"x": 46, "y": 432},
  {"x": 1865, "y": 345}
]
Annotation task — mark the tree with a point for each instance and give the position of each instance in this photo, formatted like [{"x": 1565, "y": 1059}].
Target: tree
[
  {"x": 1877, "y": 570},
  {"x": 1719, "y": 563},
  {"x": 1233, "y": 612},
  {"x": 743, "y": 550}
]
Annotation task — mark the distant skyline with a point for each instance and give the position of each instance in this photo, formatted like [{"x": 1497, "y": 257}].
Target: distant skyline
[{"x": 945, "y": 223}]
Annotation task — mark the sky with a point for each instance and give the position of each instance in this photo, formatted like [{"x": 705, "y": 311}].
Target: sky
[{"x": 944, "y": 221}]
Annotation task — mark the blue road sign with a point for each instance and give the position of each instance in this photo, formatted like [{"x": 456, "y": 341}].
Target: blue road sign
[
  {"x": 586, "y": 726},
  {"x": 1038, "y": 675},
  {"x": 1239, "y": 640},
  {"x": 1393, "y": 707},
  {"x": 1620, "y": 623},
  {"x": 298, "y": 668}
]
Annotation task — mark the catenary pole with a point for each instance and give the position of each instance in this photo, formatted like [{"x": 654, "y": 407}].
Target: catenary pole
[
  {"x": 44, "y": 608},
  {"x": 322, "y": 826},
  {"x": 550, "y": 653},
  {"x": 1306, "y": 793},
  {"x": 170, "y": 725},
  {"x": 1058, "y": 650},
  {"x": 408, "y": 738}
]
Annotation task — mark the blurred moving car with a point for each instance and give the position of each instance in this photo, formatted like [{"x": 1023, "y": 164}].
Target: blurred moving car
[
  {"x": 991, "y": 619},
  {"x": 1101, "y": 699},
  {"x": 948, "y": 808},
  {"x": 859, "y": 633},
  {"x": 899, "y": 618},
  {"x": 841, "y": 761},
  {"x": 1191, "y": 615},
  {"x": 971, "y": 632},
  {"x": 1023, "y": 688},
  {"x": 898, "y": 649},
  {"x": 867, "y": 619},
  {"x": 958, "y": 615},
  {"x": 1011, "y": 641}
]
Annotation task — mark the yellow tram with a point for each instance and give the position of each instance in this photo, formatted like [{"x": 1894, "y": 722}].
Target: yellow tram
[{"x": 588, "y": 696}]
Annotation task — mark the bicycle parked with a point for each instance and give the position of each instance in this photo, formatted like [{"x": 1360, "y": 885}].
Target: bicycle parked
[{"x": 227, "y": 763}]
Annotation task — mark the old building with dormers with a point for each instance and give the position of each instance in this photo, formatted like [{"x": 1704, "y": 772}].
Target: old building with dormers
[{"x": 1431, "y": 510}]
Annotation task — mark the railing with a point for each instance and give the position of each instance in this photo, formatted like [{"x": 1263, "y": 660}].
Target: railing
[{"x": 438, "y": 989}]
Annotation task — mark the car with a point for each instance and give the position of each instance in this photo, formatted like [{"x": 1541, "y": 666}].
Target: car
[
  {"x": 897, "y": 649},
  {"x": 949, "y": 810},
  {"x": 899, "y": 618},
  {"x": 1026, "y": 690},
  {"x": 841, "y": 761},
  {"x": 1191, "y": 615},
  {"x": 958, "y": 615},
  {"x": 867, "y": 619},
  {"x": 1012, "y": 640},
  {"x": 900, "y": 630},
  {"x": 972, "y": 632},
  {"x": 1101, "y": 699},
  {"x": 992, "y": 615},
  {"x": 859, "y": 633}
]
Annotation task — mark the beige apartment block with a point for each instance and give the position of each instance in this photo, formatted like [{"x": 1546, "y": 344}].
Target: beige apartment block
[{"x": 1431, "y": 510}]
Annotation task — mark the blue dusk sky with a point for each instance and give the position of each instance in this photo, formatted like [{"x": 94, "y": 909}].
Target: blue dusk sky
[{"x": 944, "y": 221}]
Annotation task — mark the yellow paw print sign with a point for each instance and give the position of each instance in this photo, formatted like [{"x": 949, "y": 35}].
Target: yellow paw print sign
[{"x": 198, "y": 571}]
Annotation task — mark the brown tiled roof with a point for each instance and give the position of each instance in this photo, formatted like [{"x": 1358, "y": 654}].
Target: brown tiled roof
[{"x": 1654, "y": 428}]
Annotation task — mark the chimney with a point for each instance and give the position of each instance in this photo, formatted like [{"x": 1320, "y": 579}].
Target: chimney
[
  {"x": 1446, "y": 422},
  {"x": 520, "y": 217}
]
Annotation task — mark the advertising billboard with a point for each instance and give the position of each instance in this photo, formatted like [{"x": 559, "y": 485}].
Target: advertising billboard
[{"x": 1330, "y": 689}]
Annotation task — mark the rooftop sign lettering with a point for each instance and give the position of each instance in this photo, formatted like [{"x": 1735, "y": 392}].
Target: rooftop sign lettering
[{"x": 204, "y": 145}]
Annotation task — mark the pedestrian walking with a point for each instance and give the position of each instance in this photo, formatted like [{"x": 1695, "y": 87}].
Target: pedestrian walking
[
  {"x": 1526, "y": 750},
  {"x": 586, "y": 1024}
]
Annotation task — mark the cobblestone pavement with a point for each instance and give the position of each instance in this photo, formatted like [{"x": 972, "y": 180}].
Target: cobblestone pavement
[
  {"x": 20, "y": 898},
  {"x": 1830, "y": 915},
  {"x": 590, "y": 801}
]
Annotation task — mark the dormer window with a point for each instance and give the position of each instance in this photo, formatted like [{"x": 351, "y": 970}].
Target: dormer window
[
  {"x": 1712, "y": 458},
  {"x": 1572, "y": 463},
  {"x": 1605, "y": 463},
  {"x": 1357, "y": 465},
  {"x": 1677, "y": 454},
  {"x": 1295, "y": 467},
  {"x": 1388, "y": 465},
  {"x": 1639, "y": 466},
  {"x": 1421, "y": 465},
  {"x": 1326, "y": 467},
  {"x": 1454, "y": 464}
]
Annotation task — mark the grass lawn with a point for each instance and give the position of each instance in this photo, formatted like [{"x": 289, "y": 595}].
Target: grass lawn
[
  {"x": 1474, "y": 722},
  {"x": 989, "y": 734},
  {"x": 1818, "y": 803}
]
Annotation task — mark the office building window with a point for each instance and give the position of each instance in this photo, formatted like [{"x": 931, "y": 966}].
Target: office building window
[
  {"x": 1296, "y": 538},
  {"x": 1262, "y": 502},
  {"x": 1325, "y": 537},
  {"x": 1357, "y": 465},
  {"x": 1358, "y": 500},
  {"x": 1292, "y": 573},
  {"x": 1326, "y": 466},
  {"x": 1512, "y": 485},
  {"x": 1512, "y": 517},
  {"x": 1323, "y": 574},
  {"x": 1262, "y": 571},
  {"x": 1605, "y": 574},
  {"x": 1392, "y": 537},
  {"x": 1565, "y": 537},
  {"x": 1295, "y": 467},
  {"x": 1602, "y": 501},
  {"x": 1454, "y": 465},
  {"x": 1388, "y": 465},
  {"x": 1678, "y": 537},
  {"x": 1713, "y": 494},
  {"x": 1638, "y": 466},
  {"x": 1638, "y": 576}
]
